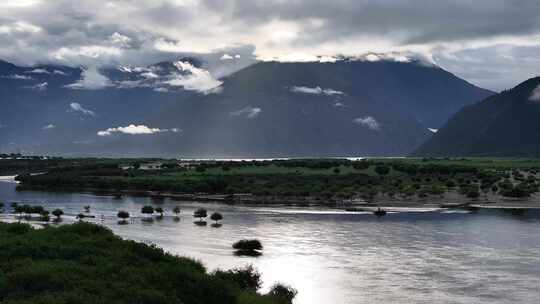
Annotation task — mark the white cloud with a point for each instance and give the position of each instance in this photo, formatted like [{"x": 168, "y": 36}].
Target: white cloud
[
  {"x": 48, "y": 127},
  {"x": 247, "y": 112},
  {"x": 197, "y": 79},
  {"x": 38, "y": 87},
  {"x": 136, "y": 130},
  {"x": 18, "y": 77},
  {"x": 18, "y": 3},
  {"x": 368, "y": 121},
  {"x": 20, "y": 27},
  {"x": 130, "y": 84},
  {"x": 149, "y": 75},
  {"x": 161, "y": 90},
  {"x": 58, "y": 72},
  {"x": 87, "y": 54},
  {"x": 226, "y": 57},
  {"x": 120, "y": 40},
  {"x": 316, "y": 90},
  {"x": 91, "y": 80},
  {"x": 38, "y": 71},
  {"x": 433, "y": 130},
  {"x": 75, "y": 106},
  {"x": 141, "y": 32},
  {"x": 535, "y": 96}
]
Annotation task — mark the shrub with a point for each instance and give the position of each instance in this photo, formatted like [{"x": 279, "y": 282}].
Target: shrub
[
  {"x": 282, "y": 294},
  {"x": 74, "y": 265},
  {"x": 123, "y": 214},
  {"x": 473, "y": 193},
  {"x": 247, "y": 278},
  {"x": 216, "y": 216},
  {"x": 58, "y": 213},
  {"x": 200, "y": 213},
  {"x": 382, "y": 170},
  {"x": 147, "y": 209},
  {"x": 248, "y": 245}
]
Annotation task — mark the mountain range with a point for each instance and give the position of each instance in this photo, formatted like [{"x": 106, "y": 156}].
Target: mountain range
[
  {"x": 506, "y": 124},
  {"x": 267, "y": 109}
]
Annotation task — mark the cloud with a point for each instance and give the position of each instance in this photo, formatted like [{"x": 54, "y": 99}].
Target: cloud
[
  {"x": 196, "y": 79},
  {"x": 104, "y": 32},
  {"x": 433, "y": 130},
  {"x": 226, "y": 57},
  {"x": 247, "y": 112},
  {"x": 135, "y": 130},
  {"x": 75, "y": 106},
  {"x": 120, "y": 40},
  {"x": 48, "y": 127},
  {"x": 19, "y": 27},
  {"x": 38, "y": 71},
  {"x": 161, "y": 90},
  {"x": 369, "y": 122},
  {"x": 316, "y": 91},
  {"x": 38, "y": 87},
  {"x": 18, "y": 77},
  {"x": 91, "y": 79},
  {"x": 535, "y": 95}
]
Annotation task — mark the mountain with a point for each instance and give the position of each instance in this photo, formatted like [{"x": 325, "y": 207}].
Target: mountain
[
  {"x": 506, "y": 124},
  {"x": 52, "y": 109},
  {"x": 268, "y": 109}
]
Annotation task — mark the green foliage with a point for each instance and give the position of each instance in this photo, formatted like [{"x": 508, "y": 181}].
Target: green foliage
[
  {"x": 85, "y": 263},
  {"x": 147, "y": 210},
  {"x": 282, "y": 294},
  {"x": 247, "y": 279},
  {"x": 382, "y": 170},
  {"x": 325, "y": 180}
]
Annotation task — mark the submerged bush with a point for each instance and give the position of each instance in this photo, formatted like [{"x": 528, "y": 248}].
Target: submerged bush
[
  {"x": 248, "y": 245},
  {"x": 200, "y": 213}
]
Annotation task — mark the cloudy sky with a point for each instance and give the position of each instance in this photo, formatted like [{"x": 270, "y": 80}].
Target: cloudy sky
[{"x": 492, "y": 43}]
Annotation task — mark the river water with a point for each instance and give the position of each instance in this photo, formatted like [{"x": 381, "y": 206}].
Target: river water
[{"x": 331, "y": 256}]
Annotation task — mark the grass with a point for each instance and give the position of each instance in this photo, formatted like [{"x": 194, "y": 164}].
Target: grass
[{"x": 322, "y": 179}]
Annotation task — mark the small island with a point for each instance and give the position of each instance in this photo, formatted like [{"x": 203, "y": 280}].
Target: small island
[{"x": 343, "y": 183}]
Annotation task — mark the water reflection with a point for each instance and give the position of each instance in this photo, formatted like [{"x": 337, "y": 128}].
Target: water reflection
[{"x": 340, "y": 257}]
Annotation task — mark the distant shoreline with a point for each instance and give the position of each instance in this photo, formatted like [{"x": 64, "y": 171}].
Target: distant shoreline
[{"x": 444, "y": 202}]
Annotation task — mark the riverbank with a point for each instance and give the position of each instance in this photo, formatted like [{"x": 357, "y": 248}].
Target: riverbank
[
  {"x": 82, "y": 262},
  {"x": 448, "y": 200},
  {"x": 334, "y": 183}
]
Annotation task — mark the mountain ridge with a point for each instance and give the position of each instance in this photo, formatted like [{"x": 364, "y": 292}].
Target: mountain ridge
[
  {"x": 348, "y": 107},
  {"x": 501, "y": 125}
]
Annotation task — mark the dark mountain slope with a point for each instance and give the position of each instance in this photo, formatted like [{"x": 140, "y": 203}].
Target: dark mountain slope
[
  {"x": 507, "y": 124},
  {"x": 315, "y": 109},
  {"x": 349, "y": 107}
]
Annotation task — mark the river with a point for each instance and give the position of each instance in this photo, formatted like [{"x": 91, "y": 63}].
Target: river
[{"x": 331, "y": 256}]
